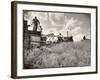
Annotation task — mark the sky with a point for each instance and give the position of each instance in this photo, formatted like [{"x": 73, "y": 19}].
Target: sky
[{"x": 75, "y": 24}]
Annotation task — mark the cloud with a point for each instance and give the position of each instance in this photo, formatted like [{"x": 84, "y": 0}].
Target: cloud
[
  {"x": 76, "y": 30},
  {"x": 57, "y": 23}
]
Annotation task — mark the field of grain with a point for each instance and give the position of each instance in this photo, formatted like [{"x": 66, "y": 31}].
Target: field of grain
[{"x": 64, "y": 54}]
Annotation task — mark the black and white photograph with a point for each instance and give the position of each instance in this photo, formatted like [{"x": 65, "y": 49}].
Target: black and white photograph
[{"x": 55, "y": 40}]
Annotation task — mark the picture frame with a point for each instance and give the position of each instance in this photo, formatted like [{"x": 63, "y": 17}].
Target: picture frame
[{"x": 79, "y": 43}]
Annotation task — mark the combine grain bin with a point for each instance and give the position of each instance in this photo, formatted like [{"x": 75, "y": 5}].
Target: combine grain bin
[{"x": 34, "y": 39}]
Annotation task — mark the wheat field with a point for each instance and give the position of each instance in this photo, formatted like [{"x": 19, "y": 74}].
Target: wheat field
[{"x": 64, "y": 54}]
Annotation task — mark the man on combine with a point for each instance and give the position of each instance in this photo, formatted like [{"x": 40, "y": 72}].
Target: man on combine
[{"x": 36, "y": 24}]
